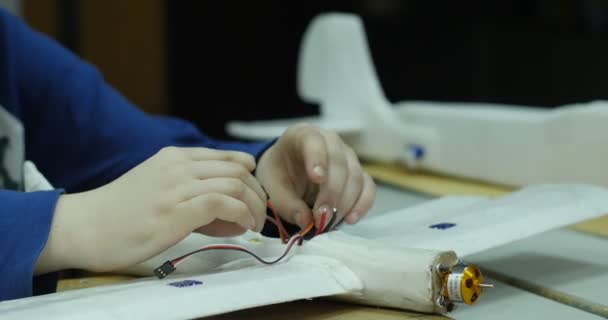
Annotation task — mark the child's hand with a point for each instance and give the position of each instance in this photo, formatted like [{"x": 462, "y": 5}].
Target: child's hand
[
  {"x": 309, "y": 167},
  {"x": 154, "y": 206}
]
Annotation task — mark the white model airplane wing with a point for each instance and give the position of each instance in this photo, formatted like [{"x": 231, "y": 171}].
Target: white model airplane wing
[
  {"x": 371, "y": 263},
  {"x": 469, "y": 225},
  {"x": 187, "y": 297},
  {"x": 269, "y": 129}
]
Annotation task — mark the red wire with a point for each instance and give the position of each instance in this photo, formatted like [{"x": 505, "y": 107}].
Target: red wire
[
  {"x": 271, "y": 219},
  {"x": 321, "y": 224},
  {"x": 283, "y": 234}
]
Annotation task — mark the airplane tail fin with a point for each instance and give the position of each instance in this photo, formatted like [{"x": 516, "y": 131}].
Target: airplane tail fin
[
  {"x": 336, "y": 71},
  {"x": 335, "y": 67}
]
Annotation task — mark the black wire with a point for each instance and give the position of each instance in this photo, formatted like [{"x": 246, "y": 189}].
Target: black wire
[
  {"x": 238, "y": 249},
  {"x": 304, "y": 237},
  {"x": 331, "y": 221}
]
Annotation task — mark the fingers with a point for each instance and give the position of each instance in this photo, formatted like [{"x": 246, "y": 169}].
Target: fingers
[
  {"x": 365, "y": 201},
  {"x": 205, "y": 208},
  {"x": 342, "y": 185},
  {"x": 233, "y": 188},
  {"x": 204, "y": 154},
  {"x": 217, "y": 169},
  {"x": 331, "y": 191},
  {"x": 286, "y": 202},
  {"x": 312, "y": 149},
  {"x": 353, "y": 187},
  {"x": 220, "y": 228},
  {"x": 216, "y": 185}
]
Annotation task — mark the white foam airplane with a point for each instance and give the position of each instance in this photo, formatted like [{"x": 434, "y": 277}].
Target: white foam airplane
[
  {"x": 407, "y": 259},
  {"x": 505, "y": 144}
]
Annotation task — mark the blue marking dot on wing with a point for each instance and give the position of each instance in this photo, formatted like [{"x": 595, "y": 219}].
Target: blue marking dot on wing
[
  {"x": 416, "y": 150},
  {"x": 185, "y": 283},
  {"x": 442, "y": 226}
]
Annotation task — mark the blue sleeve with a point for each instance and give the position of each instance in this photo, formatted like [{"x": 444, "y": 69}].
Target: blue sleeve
[
  {"x": 80, "y": 132},
  {"x": 25, "y": 219}
]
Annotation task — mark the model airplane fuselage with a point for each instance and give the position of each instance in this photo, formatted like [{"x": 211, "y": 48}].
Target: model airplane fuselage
[{"x": 504, "y": 144}]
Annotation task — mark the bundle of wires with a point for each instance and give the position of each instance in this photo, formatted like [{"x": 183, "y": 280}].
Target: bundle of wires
[{"x": 171, "y": 265}]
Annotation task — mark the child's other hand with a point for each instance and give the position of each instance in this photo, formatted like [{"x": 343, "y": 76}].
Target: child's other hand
[
  {"x": 154, "y": 206},
  {"x": 313, "y": 168}
]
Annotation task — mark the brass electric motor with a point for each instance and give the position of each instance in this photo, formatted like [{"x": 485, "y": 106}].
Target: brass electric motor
[{"x": 462, "y": 283}]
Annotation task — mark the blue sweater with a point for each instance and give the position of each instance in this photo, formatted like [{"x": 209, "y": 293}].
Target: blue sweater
[{"x": 58, "y": 112}]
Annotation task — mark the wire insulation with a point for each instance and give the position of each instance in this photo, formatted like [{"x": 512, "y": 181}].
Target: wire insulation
[
  {"x": 169, "y": 266},
  {"x": 290, "y": 244}
]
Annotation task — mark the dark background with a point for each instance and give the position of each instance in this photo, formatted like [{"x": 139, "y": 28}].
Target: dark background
[{"x": 236, "y": 60}]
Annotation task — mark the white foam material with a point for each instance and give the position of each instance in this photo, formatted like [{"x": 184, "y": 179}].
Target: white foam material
[{"x": 383, "y": 261}]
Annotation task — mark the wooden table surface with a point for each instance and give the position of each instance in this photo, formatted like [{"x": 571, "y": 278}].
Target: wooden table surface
[{"x": 323, "y": 310}]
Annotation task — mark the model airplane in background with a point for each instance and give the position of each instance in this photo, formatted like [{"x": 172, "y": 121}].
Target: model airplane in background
[
  {"x": 504, "y": 144},
  {"x": 402, "y": 259}
]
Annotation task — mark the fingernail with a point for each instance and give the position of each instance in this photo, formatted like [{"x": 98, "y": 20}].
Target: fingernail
[{"x": 319, "y": 171}]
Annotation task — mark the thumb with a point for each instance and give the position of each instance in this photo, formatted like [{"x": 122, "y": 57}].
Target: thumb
[{"x": 288, "y": 205}]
